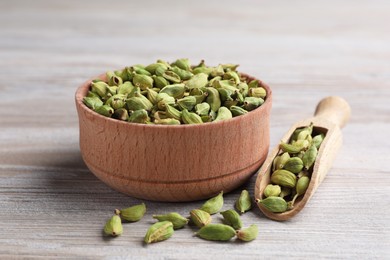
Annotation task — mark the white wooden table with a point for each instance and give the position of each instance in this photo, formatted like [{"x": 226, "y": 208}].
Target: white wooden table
[{"x": 52, "y": 206}]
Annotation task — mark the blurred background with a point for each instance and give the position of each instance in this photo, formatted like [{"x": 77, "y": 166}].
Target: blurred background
[
  {"x": 305, "y": 50},
  {"x": 48, "y": 48}
]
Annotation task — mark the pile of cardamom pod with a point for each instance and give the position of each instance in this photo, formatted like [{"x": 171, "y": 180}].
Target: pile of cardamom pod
[
  {"x": 167, "y": 223},
  {"x": 291, "y": 170},
  {"x": 174, "y": 93}
]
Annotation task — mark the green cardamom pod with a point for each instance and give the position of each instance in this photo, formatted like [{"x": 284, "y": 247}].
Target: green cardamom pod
[
  {"x": 237, "y": 111},
  {"x": 302, "y": 185},
  {"x": 272, "y": 190},
  {"x": 100, "y": 88},
  {"x": 156, "y": 66},
  {"x": 158, "y": 232},
  {"x": 139, "y": 69},
  {"x": 183, "y": 64},
  {"x": 160, "y": 81},
  {"x": 225, "y": 84},
  {"x": 202, "y": 109},
  {"x": 105, "y": 110},
  {"x": 310, "y": 157},
  {"x": 216, "y": 232},
  {"x": 232, "y": 75},
  {"x": 121, "y": 114},
  {"x": 163, "y": 62},
  {"x": 113, "y": 226},
  {"x": 225, "y": 94},
  {"x": 229, "y": 66},
  {"x": 243, "y": 88},
  {"x": 232, "y": 218},
  {"x": 317, "y": 140},
  {"x": 217, "y": 71},
  {"x": 113, "y": 79},
  {"x": 201, "y": 98},
  {"x": 136, "y": 103},
  {"x": 297, "y": 131},
  {"x": 204, "y": 70},
  {"x": 244, "y": 202},
  {"x": 197, "y": 81},
  {"x": 171, "y": 76},
  {"x": 92, "y": 102},
  {"x": 132, "y": 214},
  {"x": 248, "y": 234},
  {"x": 92, "y": 94},
  {"x": 294, "y": 165},
  {"x": 293, "y": 148},
  {"x": 122, "y": 74},
  {"x": 152, "y": 95},
  {"x": 284, "y": 157},
  {"x": 167, "y": 121},
  {"x": 213, "y": 99},
  {"x": 163, "y": 99},
  {"x": 251, "y": 103},
  {"x": 274, "y": 204},
  {"x": 200, "y": 217},
  {"x": 303, "y": 135},
  {"x": 117, "y": 101},
  {"x": 183, "y": 74},
  {"x": 214, "y": 204},
  {"x": 190, "y": 118},
  {"x": 257, "y": 92},
  {"x": 284, "y": 178},
  {"x": 206, "y": 118},
  {"x": 142, "y": 81},
  {"x": 188, "y": 103},
  {"x": 175, "y": 90},
  {"x": 172, "y": 112},
  {"x": 125, "y": 88},
  {"x": 139, "y": 116},
  {"x": 223, "y": 114},
  {"x": 177, "y": 220},
  {"x": 253, "y": 84}
]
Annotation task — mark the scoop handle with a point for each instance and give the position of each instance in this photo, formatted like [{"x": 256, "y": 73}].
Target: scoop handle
[{"x": 334, "y": 109}]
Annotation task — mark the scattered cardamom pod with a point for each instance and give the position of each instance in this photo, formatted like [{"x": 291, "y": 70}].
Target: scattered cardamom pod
[
  {"x": 232, "y": 218},
  {"x": 214, "y": 204},
  {"x": 132, "y": 214},
  {"x": 158, "y": 232},
  {"x": 200, "y": 217},
  {"x": 113, "y": 226},
  {"x": 248, "y": 234},
  {"x": 177, "y": 220},
  {"x": 216, "y": 232},
  {"x": 244, "y": 202}
]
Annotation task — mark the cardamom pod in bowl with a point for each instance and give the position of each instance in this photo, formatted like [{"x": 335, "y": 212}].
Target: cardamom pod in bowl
[{"x": 174, "y": 132}]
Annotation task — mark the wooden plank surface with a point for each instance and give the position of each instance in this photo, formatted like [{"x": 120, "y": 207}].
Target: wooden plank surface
[{"x": 52, "y": 206}]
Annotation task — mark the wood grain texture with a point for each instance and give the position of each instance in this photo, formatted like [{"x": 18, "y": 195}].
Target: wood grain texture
[
  {"x": 330, "y": 114},
  {"x": 52, "y": 206}
]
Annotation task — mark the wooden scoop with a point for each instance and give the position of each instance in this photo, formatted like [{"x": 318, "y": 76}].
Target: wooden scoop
[{"x": 331, "y": 114}]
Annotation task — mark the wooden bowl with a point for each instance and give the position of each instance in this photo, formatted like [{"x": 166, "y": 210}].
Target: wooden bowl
[{"x": 173, "y": 163}]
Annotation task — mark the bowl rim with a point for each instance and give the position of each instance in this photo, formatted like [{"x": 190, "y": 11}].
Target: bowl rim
[{"x": 82, "y": 90}]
